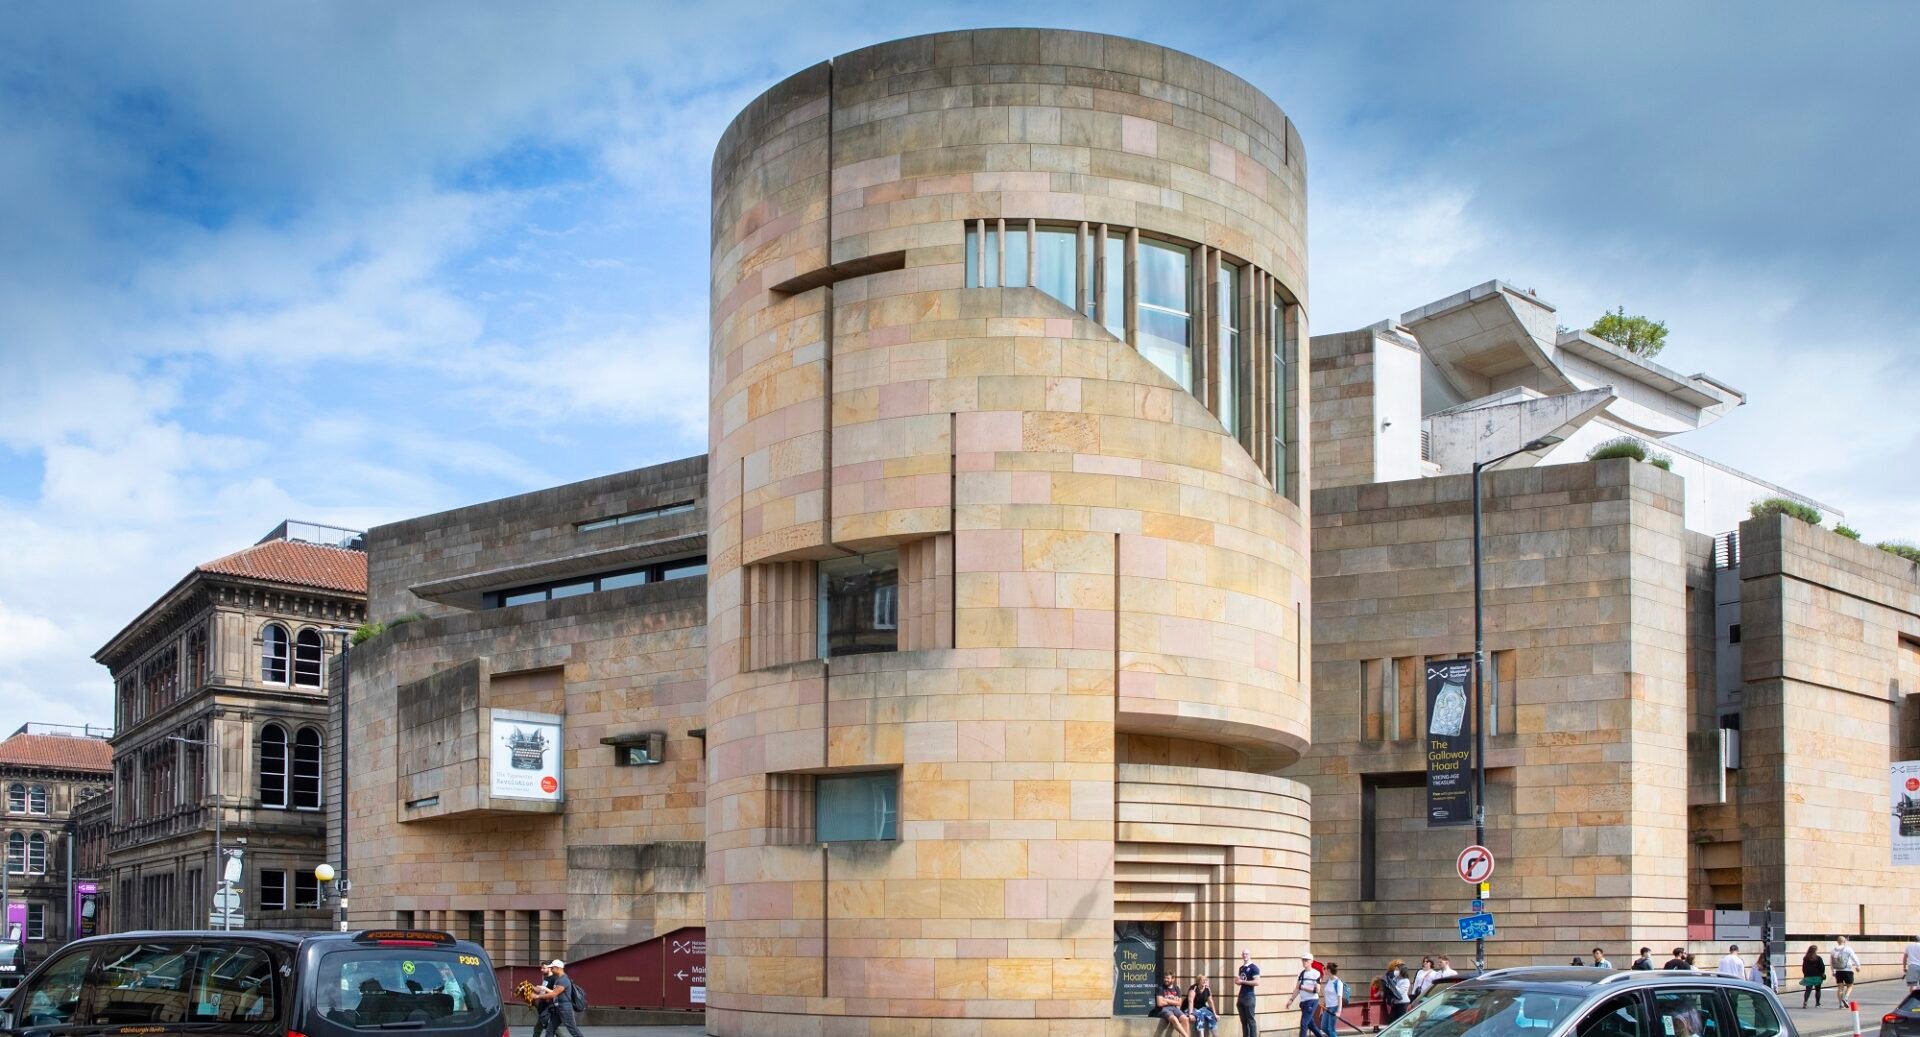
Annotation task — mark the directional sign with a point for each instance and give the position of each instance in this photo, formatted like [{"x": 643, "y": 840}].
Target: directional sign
[
  {"x": 1475, "y": 864},
  {"x": 1476, "y": 927}
]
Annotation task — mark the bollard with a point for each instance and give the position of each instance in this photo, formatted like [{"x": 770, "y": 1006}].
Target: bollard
[{"x": 1855, "y": 1006}]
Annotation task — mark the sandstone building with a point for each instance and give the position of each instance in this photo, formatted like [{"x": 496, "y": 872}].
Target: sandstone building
[
  {"x": 574, "y": 617},
  {"x": 46, "y": 771},
  {"x": 1648, "y": 764},
  {"x": 220, "y": 711}
]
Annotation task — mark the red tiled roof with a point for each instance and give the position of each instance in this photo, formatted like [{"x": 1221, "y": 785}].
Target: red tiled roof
[
  {"x": 297, "y": 563},
  {"x": 69, "y": 752}
]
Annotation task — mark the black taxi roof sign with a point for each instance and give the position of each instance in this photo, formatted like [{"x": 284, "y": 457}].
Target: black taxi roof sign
[{"x": 408, "y": 936}]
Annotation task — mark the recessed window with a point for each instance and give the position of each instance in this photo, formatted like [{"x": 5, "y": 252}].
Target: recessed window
[
  {"x": 859, "y": 604},
  {"x": 1166, "y": 323},
  {"x": 631, "y": 517},
  {"x": 1733, "y": 634},
  {"x": 306, "y": 659},
  {"x": 37, "y": 800},
  {"x": 306, "y": 889},
  {"x": 273, "y": 767},
  {"x": 36, "y": 921},
  {"x": 574, "y": 586},
  {"x": 17, "y": 798},
  {"x": 273, "y": 890},
  {"x": 857, "y": 807},
  {"x": 37, "y": 854},
  {"x": 306, "y": 769},
  {"x": 273, "y": 654}
]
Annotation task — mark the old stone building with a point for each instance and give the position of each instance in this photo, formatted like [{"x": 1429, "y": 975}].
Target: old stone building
[
  {"x": 45, "y": 772},
  {"x": 92, "y": 834},
  {"x": 220, "y": 733},
  {"x": 525, "y": 736}
]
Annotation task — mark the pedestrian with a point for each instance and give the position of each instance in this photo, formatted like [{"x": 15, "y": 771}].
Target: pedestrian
[
  {"x": 1306, "y": 992},
  {"x": 1644, "y": 963},
  {"x": 1763, "y": 969},
  {"x": 1200, "y": 1006},
  {"x": 1679, "y": 960},
  {"x": 1443, "y": 969},
  {"x": 1333, "y": 998},
  {"x": 1600, "y": 959},
  {"x": 559, "y": 996},
  {"x": 1813, "y": 975},
  {"x": 1844, "y": 962},
  {"x": 1423, "y": 977},
  {"x": 1913, "y": 964},
  {"x": 1578, "y": 962},
  {"x": 1396, "y": 991},
  {"x": 1166, "y": 1005},
  {"x": 1733, "y": 964},
  {"x": 1245, "y": 980}
]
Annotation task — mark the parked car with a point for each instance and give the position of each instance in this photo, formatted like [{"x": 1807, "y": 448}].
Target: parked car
[
  {"x": 1563, "y": 1001},
  {"x": 1904, "y": 1020},
  {"x": 260, "y": 984}
]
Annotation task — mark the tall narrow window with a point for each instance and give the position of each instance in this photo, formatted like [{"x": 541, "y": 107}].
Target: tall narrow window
[
  {"x": 197, "y": 658},
  {"x": 273, "y": 889},
  {"x": 1390, "y": 702},
  {"x": 1228, "y": 307},
  {"x": 16, "y": 853},
  {"x": 36, "y": 921},
  {"x": 37, "y": 854},
  {"x": 1113, "y": 308},
  {"x": 306, "y": 659},
  {"x": 17, "y": 798},
  {"x": 1277, "y": 342},
  {"x": 273, "y": 654},
  {"x": 306, "y": 889},
  {"x": 37, "y": 800},
  {"x": 306, "y": 769},
  {"x": 1165, "y": 318},
  {"x": 273, "y": 767},
  {"x": 1053, "y": 258},
  {"x": 1016, "y": 268}
]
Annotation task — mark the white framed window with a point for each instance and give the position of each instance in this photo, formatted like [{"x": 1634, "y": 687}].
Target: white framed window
[
  {"x": 273, "y": 889},
  {"x": 273, "y": 654},
  {"x": 306, "y": 659},
  {"x": 17, "y": 798},
  {"x": 37, "y": 800},
  {"x": 36, "y": 921},
  {"x": 37, "y": 854},
  {"x": 306, "y": 769},
  {"x": 273, "y": 767}
]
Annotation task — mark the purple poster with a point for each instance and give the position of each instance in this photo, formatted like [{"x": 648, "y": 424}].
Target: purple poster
[
  {"x": 16, "y": 921},
  {"x": 86, "y": 906}
]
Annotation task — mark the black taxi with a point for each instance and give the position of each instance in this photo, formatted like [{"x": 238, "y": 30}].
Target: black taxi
[{"x": 259, "y": 984}]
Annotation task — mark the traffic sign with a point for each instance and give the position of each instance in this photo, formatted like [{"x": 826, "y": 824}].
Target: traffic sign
[
  {"x": 1475, "y": 864},
  {"x": 1476, "y": 926},
  {"x": 1479, "y": 906}
]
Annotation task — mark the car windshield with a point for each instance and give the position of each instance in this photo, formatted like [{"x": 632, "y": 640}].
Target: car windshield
[
  {"x": 392, "y": 988},
  {"x": 1486, "y": 1012}
]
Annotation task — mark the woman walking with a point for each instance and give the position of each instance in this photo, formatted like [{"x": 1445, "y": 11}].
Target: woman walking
[
  {"x": 1813, "y": 975},
  {"x": 1396, "y": 991}
]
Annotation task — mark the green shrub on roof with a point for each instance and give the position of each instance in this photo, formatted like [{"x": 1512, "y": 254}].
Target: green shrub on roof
[{"x": 1783, "y": 506}]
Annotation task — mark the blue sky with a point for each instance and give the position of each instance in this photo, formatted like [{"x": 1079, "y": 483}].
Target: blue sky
[{"x": 352, "y": 263}]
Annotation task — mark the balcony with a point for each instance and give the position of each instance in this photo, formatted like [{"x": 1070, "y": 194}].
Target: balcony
[{"x": 178, "y": 822}]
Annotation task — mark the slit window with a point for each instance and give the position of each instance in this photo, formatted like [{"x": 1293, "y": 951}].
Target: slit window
[
  {"x": 574, "y": 586},
  {"x": 676, "y": 508}
]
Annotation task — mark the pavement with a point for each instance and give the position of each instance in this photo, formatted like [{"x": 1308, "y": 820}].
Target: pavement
[
  {"x": 665, "y": 1030},
  {"x": 1876, "y": 999}
]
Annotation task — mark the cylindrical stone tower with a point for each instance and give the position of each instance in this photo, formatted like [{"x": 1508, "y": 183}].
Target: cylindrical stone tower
[{"x": 1008, "y": 546}]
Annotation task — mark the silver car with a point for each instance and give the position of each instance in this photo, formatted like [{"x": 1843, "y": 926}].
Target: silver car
[{"x": 1563, "y": 1001}]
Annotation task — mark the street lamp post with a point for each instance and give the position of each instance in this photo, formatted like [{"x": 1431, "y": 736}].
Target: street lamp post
[
  {"x": 346, "y": 683},
  {"x": 1479, "y": 681}
]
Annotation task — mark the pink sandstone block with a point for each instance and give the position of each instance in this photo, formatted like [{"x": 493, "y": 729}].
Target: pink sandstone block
[{"x": 987, "y": 550}]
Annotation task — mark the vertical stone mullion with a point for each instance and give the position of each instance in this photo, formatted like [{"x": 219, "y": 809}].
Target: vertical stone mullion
[
  {"x": 1080, "y": 255},
  {"x": 1000, "y": 248},
  {"x": 1200, "y": 336},
  {"x": 1131, "y": 291},
  {"x": 1033, "y": 253}
]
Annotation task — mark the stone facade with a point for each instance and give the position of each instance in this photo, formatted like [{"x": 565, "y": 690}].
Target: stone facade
[
  {"x": 1831, "y": 668},
  {"x": 617, "y": 860},
  {"x": 215, "y": 715},
  {"x": 45, "y": 774},
  {"x": 1586, "y": 580},
  {"x": 1100, "y": 542}
]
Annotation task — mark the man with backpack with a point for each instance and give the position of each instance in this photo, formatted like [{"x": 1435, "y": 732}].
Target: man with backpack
[{"x": 564, "y": 998}]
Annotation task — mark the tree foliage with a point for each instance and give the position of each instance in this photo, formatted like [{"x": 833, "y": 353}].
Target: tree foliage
[{"x": 1641, "y": 336}]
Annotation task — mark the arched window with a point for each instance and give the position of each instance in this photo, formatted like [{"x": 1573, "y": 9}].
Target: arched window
[
  {"x": 306, "y": 769},
  {"x": 37, "y": 854},
  {"x": 306, "y": 659},
  {"x": 273, "y": 654},
  {"x": 16, "y": 853},
  {"x": 16, "y": 798},
  {"x": 273, "y": 767},
  {"x": 37, "y": 800}
]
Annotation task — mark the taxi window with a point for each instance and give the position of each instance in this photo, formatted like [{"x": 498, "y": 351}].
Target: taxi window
[
  {"x": 1685, "y": 1013},
  {"x": 385, "y": 988},
  {"x": 234, "y": 984},
  {"x": 1620, "y": 1017},
  {"x": 1754, "y": 1014},
  {"x": 142, "y": 984},
  {"x": 54, "y": 997}
]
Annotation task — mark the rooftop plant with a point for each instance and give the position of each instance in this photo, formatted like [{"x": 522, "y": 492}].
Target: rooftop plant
[
  {"x": 1641, "y": 336},
  {"x": 1847, "y": 531},
  {"x": 367, "y": 631},
  {"x": 1627, "y": 446},
  {"x": 1900, "y": 547},
  {"x": 1783, "y": 506}
]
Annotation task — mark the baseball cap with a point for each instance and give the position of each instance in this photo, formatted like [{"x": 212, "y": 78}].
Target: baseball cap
[{"x": 556, "y": 964}]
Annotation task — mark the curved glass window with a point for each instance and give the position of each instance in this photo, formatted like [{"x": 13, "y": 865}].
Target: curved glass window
[
  {"x": 273, "y": 767},
  {"x": 306, "y": 659},
  {"x": 273, "y": 654},
  {"x": 1166, "y": 312},
  {"x": 1054, "y": 249}
]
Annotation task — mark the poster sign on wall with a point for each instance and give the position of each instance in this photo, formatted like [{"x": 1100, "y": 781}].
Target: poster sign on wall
[
  {"x": 86, "y": 906},
  {"x": 1449, "y": 792},
  {"x": 1906, "y": 813},
  {"x": 527, "y": 755},
  {"x": 1136, "y": 966}
]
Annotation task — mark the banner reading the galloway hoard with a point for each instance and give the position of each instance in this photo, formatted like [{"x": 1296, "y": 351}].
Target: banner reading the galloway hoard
[
  {"x": 1906, "y": 813},
  {"x": 1449, "y": 788},
  {"x": 1136, "y": 967}
]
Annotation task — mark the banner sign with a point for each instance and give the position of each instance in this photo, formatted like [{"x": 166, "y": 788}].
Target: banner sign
[
  {"x": 1136, "y": 967},
  {"x": 1449, "y": 788},
  {"x": 1906, "y": 813},
  {"x": 527, "y": 756},
  {"x": 86, "y": 906}
]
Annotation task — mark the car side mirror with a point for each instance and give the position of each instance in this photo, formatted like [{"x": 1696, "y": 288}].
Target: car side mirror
[{"x": 6, "y": 1019}]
